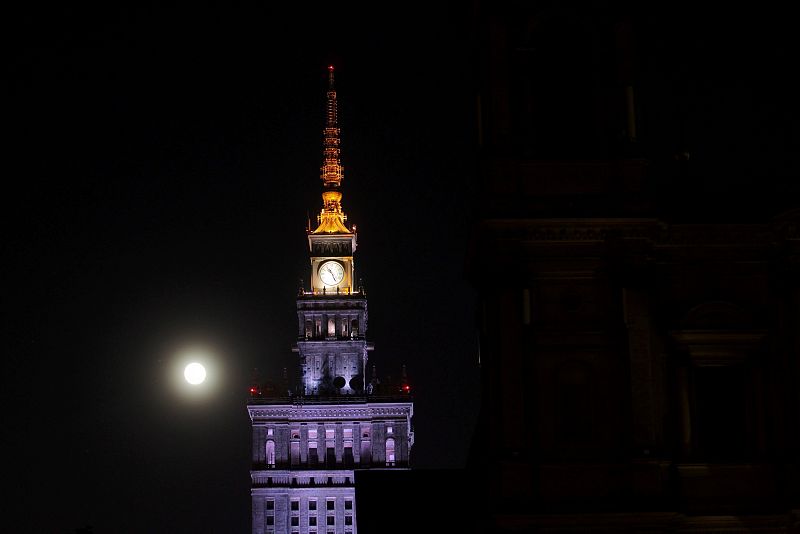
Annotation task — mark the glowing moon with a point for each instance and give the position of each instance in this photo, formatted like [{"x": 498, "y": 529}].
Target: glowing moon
[{"x": 194, "y": 373}]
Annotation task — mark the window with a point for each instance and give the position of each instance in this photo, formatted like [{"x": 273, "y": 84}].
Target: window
[
  {"x": 330, "y": 433},
  {"x": 331, "y": 504},
  {"x": 331, "y": 520},
  {"x": 270, "y": 455},
  {"x": 312, "y": 433},
  {"x": 270, "y": 520},
  {"x": 347, "y": 454},
  {"x": 390, "y": 452},
  {"x": 295, "y": 453},
  {"x": 269, "y": 431},
  {"x": 721, "y": 413},
  {"x": 348, "y": 504},
  {"x": 312, "y": 521},
  {"x": 348, "y": 433},
  {"x": 270, "y": 505},
  {"x": 313, "y": 458},
  {"x": 295, "y": 521},
  {"x": 312, "y": 505},
  {"x": 389, "y": 430},
  {"x": 295, "y": 505},
  {"x": 348, "y": 520},
  {"x": 331, "y": 327}
]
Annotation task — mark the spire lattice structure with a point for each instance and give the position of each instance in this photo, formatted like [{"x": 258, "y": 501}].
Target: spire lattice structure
[{"x": 331, "y": 219}]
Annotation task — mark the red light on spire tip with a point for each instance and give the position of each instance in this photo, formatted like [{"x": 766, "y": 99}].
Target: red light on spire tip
[{"x": 330, "y": 67}]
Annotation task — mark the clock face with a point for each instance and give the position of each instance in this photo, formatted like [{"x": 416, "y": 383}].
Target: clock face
[{"x": 331, "y": 273}]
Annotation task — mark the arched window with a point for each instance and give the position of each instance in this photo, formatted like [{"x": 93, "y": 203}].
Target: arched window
[
  {"x": 331, "y": 327},
  {"x": 270, "y": 454},
  {"x": 390, "y": 452}
]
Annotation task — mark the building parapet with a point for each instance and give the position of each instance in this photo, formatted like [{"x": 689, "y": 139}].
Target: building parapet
[{"x": 301, "y": 400}]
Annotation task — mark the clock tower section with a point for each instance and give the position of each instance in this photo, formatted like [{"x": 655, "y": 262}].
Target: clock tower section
[
  {"x": 332, "y": 312},
  {"x": 309, "y": 441},
  {"x": 332, "y": 243}
]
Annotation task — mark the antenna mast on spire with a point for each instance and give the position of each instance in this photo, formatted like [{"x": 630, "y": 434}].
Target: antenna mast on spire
[{"x": 331, "y": 168}]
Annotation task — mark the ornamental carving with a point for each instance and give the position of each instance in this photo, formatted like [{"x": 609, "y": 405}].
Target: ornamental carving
[
  {"x": 549, "y": 230},
  {"x": 302, "y": 413},
  {"x": 331, "y": 248}
]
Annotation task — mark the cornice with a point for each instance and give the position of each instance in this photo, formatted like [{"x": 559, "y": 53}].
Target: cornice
[
  {"x": 658, "y": 232},
  {"x": 336, "y": 412},
  {"x": 568, "y": 230}
]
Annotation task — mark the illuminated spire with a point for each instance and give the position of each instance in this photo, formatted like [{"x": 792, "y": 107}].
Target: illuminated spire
[
  {"x": 331, "y": 218},
  {"x": 331, "y": 169}
]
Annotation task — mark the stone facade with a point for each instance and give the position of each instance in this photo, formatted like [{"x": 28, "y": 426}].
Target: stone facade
[{"x": 315, "y": 449}]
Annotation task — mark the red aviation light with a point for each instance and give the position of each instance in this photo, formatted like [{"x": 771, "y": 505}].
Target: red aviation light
[
  {"x": 406, "y": 388},
  {"x": 330, "y": 67},
  {"x": 254, "y": 391}
]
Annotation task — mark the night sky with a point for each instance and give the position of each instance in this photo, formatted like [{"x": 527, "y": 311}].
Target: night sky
[{"x": 164, "y": 163}]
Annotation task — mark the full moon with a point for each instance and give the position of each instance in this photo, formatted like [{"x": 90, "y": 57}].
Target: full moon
[{"x": 194, "y": 373}]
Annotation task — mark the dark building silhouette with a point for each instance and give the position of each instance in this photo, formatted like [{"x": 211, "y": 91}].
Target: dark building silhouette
[{"x": 639, "y": 311}]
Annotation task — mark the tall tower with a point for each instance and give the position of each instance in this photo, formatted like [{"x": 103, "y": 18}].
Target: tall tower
[{"x": 309, "y": 443}]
